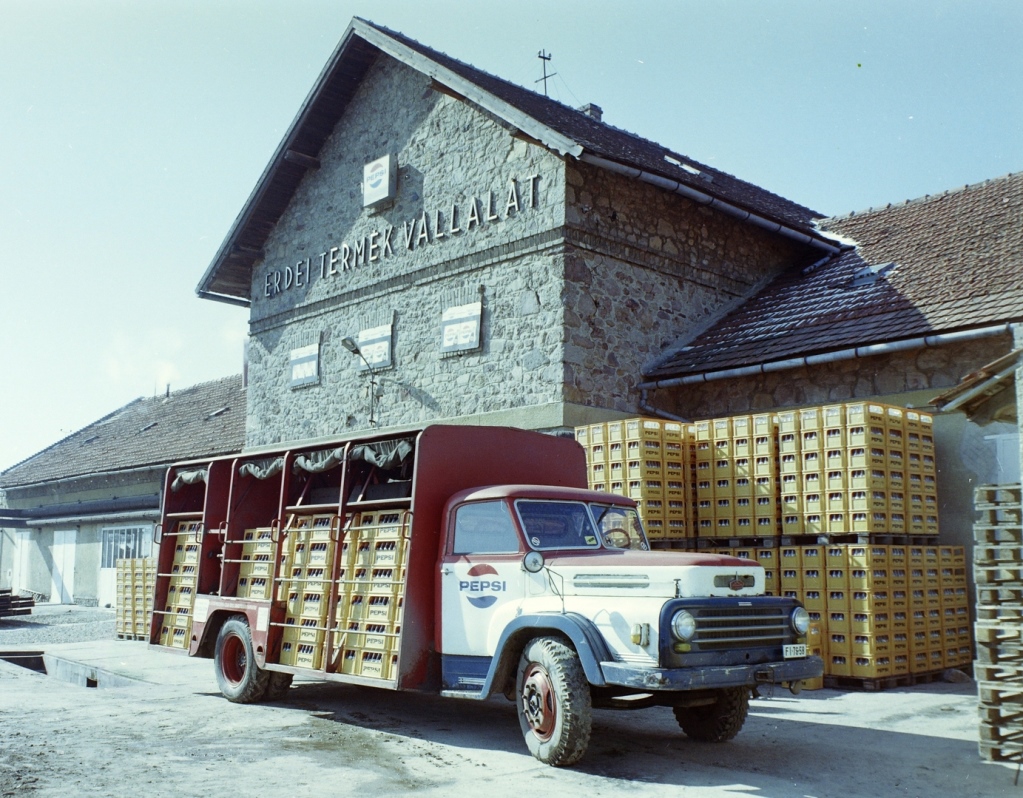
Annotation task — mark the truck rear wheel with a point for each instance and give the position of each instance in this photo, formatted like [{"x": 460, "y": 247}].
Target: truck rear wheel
[
  {"x": 238, "y": 676},
  {"x": 717, "y": 722},
  {"x": 553, "y": 702}
]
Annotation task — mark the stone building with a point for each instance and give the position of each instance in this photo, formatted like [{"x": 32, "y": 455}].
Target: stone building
[
  {"x": 70, "y": 511},
  {"x": 529, "y": 262}
]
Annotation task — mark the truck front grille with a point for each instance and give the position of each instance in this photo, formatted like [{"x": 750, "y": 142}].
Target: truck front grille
[{"x": 723, "y": 628}]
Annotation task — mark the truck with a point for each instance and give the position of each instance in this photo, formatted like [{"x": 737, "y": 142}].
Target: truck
[{"x": 468, "y": 561}]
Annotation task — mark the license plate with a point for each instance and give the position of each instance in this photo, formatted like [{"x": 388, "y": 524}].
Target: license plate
[{"x": 794, "y": 651}]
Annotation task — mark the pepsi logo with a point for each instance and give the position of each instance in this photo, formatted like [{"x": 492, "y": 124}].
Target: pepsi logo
[
  {"x": 376, "y": 176},
  {"x": 486, "y": 587}
]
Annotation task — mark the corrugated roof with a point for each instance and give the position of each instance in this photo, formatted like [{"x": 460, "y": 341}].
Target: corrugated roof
[
  {"x": 202, "y": 421},
  {"x": 938, "y": 264},
  {"x": 565, "y": 130}
]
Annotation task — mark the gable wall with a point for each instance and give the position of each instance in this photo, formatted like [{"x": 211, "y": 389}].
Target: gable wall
[{"x": 449, "y": 154}]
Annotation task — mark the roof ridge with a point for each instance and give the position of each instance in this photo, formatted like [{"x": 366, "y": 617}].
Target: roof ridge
[{"x": 919, "y": 200}]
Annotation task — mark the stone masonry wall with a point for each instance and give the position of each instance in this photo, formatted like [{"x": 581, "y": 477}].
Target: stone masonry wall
[
  {"x": 351, "y": 269},
  {"x": 647, "y": 268},
  {"x": 934, "y": 369}
]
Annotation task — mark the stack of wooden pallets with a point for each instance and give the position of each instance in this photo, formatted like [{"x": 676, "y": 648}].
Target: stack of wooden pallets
[
  {"x": 998, "y": 572},
  {"x": 15, "y": 605}
]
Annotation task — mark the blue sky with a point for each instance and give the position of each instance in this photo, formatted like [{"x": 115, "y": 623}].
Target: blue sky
[{"x": 133, "y": 132}]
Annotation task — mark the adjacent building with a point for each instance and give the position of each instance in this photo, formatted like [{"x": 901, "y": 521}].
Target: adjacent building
[{"x": 72, "y": 510}]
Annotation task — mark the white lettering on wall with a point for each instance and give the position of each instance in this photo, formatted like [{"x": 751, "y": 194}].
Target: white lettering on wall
[{"x": 429, "y": 228}]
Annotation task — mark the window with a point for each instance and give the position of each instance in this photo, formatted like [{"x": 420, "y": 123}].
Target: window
[
  {"x": 557, "y": 524},
  {"x": 484, "y": 528},
  {"x": 126, "y": 543}
]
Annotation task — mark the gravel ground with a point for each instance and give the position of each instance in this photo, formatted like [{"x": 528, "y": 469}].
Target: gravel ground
[{"x": 57, "y": 623}]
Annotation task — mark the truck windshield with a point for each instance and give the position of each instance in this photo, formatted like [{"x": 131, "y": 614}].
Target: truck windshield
[
  {"x": 619, "y": 527},
  {"x": 557, "y": 525}
]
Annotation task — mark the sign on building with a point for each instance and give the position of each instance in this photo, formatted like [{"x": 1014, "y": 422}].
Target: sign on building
[{"x": 460, "y": 328}]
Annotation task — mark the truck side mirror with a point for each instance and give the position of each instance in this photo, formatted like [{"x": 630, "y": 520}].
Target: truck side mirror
[{"x": 533, "y": 562}]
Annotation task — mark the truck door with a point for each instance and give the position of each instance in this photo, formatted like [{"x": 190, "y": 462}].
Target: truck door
[{"x": 480, "y": 573}]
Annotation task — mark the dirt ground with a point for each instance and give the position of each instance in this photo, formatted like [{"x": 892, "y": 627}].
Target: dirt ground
[{"x": 167, "y": 739}]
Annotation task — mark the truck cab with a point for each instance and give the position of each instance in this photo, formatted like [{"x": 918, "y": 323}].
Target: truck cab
[{"x": 543, "y": 588}]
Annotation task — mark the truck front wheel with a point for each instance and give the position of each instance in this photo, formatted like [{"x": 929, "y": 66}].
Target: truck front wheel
[
  {"x": 553, "y": 702},
  {"x": 717, "y": 722},
  {"x": 238, "y": 676}
]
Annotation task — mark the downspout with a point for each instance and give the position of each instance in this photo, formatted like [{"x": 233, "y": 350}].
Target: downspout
[
  {"x": 921, "y": 342},
  {"x": 710, "y": 201}
]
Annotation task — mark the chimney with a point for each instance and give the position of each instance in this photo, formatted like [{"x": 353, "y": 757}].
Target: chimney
[{"x": 593, "y": 110}]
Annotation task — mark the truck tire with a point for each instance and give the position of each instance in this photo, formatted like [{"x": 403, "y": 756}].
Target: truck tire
[
  {"x": 278, "y": 686},
  {"x": 717, "y": 722},
  {"x": 553, "y": 699},
  {"x": 238, "y": 676}
]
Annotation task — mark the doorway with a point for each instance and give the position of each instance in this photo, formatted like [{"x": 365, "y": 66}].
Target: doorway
[{"x": 62, "y": 574}]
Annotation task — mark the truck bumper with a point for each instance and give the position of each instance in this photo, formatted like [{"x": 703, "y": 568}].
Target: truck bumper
[{"x": 704, "y": 678}]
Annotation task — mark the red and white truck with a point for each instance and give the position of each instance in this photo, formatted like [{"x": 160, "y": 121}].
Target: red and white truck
[{"x": 467, "y": 561}]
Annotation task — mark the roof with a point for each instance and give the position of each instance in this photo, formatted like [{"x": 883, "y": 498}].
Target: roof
[
  {"x": 202, "y": 421},
  {"x": 936, "y": 265},
  {"x": 565, "y": 130}
]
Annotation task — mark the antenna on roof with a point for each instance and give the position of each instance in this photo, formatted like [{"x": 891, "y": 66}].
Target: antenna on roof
[{"x": 544, "y": 56}]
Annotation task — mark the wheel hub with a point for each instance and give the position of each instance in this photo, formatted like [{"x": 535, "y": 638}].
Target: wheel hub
[
  {"x": 235, "y": 660},
  {"x": 538, "y": 704}
]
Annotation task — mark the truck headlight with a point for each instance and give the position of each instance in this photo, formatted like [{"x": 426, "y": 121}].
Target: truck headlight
[
  {"x": 683, "y": 625},
  {"x": 800, "y": 621}
]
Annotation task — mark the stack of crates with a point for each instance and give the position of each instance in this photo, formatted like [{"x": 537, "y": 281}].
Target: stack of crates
[
  {"x": 649, "y": 460},
  {"x": 736, "y": 477},
  {"x": 883, "y": 610},
  {"x": 136, "y": 579},
  {"x": 857, "y": 468},
  {"x": 307, "y": 560},
  {"x": 255, "y": 574},
  {"x": 176, "y": 614},
  {"x": 998, "y": 572},
  {"x": 854, "y": 468},
  {"x": 371, "y": 594}
]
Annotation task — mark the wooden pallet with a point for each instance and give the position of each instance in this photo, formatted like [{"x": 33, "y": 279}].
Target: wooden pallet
[
  {"x": 994, "y": 597},
  {"x": 1010, "y": 493},
  {"x": 736, "y": 543},
  {"x": 882, "y": 683},
  {"x": 1011, "y": 554},
  {"x": 993, "y": 534},
  {"x": 998, "y": 574},
  {"x": 1002, "y": 654},
  {"x": 673, "y": 544},
  {"x": 997, "y": 672}
]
